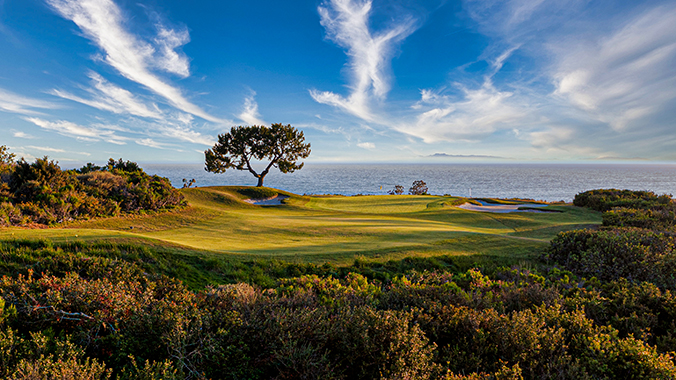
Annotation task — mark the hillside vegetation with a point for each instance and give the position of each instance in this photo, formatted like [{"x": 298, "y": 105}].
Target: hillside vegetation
[
  {"x": 331, "y": 287},
  {"x": 74, "y": 309},
  {"x": 40, "y": 193}
]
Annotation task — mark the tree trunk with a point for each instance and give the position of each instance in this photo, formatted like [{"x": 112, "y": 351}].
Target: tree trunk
[{"x": 260, "y": 181}]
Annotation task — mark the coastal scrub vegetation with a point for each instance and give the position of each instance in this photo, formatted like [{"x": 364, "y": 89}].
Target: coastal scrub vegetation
[
  {"x": 42, "y": 193},
  {"x": 601, "y": 305},
  {"x": 85, "y": 315},
  {"x": 637, "y": 240}
]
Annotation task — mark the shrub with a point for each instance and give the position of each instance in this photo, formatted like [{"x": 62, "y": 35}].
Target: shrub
[
  {"x": 397, "y": 190},
  {"x": 656, "y": 218},
  {"x": 638, "y": 255},
  {"x": 418, "y": 187},
  {"x": 607, "y": 199},
  {"x": 42, "y": 193}
]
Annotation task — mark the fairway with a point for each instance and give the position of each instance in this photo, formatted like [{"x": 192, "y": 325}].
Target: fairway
[{"x": 333, "y": 229}]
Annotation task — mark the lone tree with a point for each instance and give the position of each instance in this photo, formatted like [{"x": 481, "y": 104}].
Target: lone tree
[{"x": 282, "y": 145}]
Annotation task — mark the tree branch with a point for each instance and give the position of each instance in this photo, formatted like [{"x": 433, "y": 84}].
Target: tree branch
[{"x": 248, "y": 165}]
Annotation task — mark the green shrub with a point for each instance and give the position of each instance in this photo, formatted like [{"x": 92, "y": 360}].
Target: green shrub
[
  {"x": 638, "y": 255},
  {"x": 607, "y": 199},
  {"x": 656, "y": 218},
  {"x": 42, "y": 193}
]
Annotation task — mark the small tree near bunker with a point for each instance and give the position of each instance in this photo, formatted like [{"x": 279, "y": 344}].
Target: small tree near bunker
[
  {"x": 282, "y": 145},
  {"x": 398, "y": 190},
  {"x": 418, "y": 187}
]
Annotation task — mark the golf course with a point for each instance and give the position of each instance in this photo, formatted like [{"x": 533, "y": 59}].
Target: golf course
[{"x": 218, "y": 223}]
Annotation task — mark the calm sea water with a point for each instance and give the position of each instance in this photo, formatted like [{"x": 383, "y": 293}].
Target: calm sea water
[{"x": 550, "y": 182}]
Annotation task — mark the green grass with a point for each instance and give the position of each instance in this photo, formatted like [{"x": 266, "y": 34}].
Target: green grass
[{"x": 328, "y": 229}]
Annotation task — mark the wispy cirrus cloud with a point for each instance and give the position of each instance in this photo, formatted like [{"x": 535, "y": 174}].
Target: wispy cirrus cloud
[
  {"x": 152, "y": 143},
  {"x": 521, "y": 20},
  {"x": 169, "y": 60},
  {"x": 55, "y": 150},
  {"x": 186, "y": 134},
  {"x": 611, "y": 67},
  {"x": 14, "y": 103},
  {"x": 174, "y": 127},
  {"x": 250, "y": 113},
  {"x": 622, "y": 77},
  {"x": 477, "y": 114},
  {"x": 109, "y": 97},
  {"x": 93, "y": 133},
  {"x": 347, "y": 24},
  {"x": 583, "y": 81},
  {"x": 103, "y": 23},
  {"x": 21, "y": 134}
]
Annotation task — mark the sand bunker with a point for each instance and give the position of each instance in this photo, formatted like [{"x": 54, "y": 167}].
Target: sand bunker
[
  {"x": 500, "y": 208},
  {"x": 276, "y": 200}
]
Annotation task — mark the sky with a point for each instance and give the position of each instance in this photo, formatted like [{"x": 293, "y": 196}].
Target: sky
[{"x": 366, "y": 81}]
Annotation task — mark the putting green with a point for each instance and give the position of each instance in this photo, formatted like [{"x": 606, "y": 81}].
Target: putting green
[{"x": 337, "y": 229}]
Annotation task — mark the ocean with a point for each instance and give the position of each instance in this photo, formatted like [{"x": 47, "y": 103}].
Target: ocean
[{"x": 548, "y": 182}]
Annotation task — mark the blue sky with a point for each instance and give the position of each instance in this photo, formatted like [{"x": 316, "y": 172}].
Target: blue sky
[{"x": 367, "y": 81}]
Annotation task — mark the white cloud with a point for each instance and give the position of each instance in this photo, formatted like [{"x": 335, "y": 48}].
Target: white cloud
[
  {"x": 250, "y": 113},
  {"x": 435, "y": 117},
  {"x": 170, "y": 60},
  {"x": 611, "y": 66},
  {"x": 622, "y": 77},
  {"x": 323, "y": 128},
  {"x": 176, "y": 127},
  {"x": 92, "y": 133},
  {"x": 152, "y": 143},
  {"x": 55, "y": 150},
  {"x": 46, "y": 149},
  {"x": 185, "y": 134},
  {"x": 102, "y": 22},
  {"x": 518, "y": 20},
  {"x": 480, "y": 113},
  {"x": 366, "y": 145},
  {"x": 553, "y": 137},
  {"x": 108, "y": 97},
  {"x": 14, "y": 103},
  {"x": 347, "y": 24},
  {"x": 21, "y": 135}
]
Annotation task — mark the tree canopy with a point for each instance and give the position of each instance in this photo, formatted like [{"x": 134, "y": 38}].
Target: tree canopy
[
  {"x": 281, "y": 145},
  {"x": 6, "y": 159}
]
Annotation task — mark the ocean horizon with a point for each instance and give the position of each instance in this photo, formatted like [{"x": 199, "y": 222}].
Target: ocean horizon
[{"x": 548, "y": 182}]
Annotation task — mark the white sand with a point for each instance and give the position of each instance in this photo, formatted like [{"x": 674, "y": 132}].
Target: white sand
[
  {"x": 276, "y": 200},
  {"x": 500, "y": 208}
]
